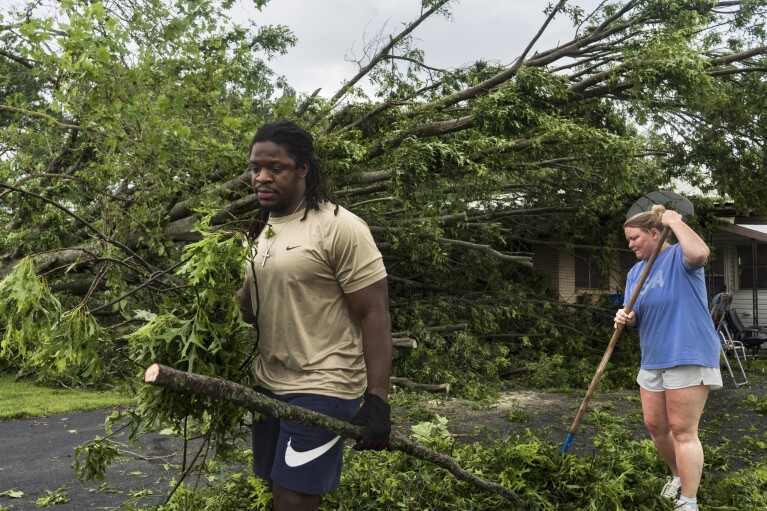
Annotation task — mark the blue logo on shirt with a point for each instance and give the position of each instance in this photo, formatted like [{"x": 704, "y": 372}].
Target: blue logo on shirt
[{"x": 656, "y": 281}]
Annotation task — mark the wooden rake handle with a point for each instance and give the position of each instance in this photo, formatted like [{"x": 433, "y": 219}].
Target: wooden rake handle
[{"x": 614, "y": 339}]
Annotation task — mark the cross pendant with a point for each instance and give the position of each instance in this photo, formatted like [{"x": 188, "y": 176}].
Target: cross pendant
[{"x": 263, "y": 260}]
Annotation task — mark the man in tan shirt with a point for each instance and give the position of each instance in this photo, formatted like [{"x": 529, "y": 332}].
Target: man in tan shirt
[{"x": 316, "y": 291}]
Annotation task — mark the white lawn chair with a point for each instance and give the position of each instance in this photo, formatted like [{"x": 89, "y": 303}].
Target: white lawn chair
[{"x": 729, "y": 345}]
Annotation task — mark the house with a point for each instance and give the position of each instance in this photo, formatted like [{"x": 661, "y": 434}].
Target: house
[
  {"x": 574, "y": 273},
  {"x": 738, "y": 265}
]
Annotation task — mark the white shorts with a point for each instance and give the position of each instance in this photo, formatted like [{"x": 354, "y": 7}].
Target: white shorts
[{"x": 679, "y": 377}]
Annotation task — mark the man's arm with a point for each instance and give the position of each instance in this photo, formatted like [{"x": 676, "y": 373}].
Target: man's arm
[
  {"x": 369, "y": 307},
  {"x": 246, "y": 305}
]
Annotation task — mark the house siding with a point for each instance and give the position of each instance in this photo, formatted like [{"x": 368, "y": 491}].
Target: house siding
[
  {"x": 546, "y": 262},
  {"x": 559, "y": 269},
  {"x": 742, "y": 299}
]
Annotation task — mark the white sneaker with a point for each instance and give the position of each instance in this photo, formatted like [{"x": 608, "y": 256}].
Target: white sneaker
[
  {"x": 685, "y": 506},
  {"x": 671, "y": 489}
]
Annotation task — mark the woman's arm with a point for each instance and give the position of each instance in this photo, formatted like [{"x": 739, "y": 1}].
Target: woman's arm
[{"x": 694, "y": 248}]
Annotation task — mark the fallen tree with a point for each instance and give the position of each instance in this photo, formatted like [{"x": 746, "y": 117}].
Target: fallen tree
[{"x": 124, "y": 132}]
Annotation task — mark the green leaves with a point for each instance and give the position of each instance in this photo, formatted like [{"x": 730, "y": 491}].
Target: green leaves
[
  {"x": 67, "y": 346},
  {"x": 199, "y": 332},
  {"x": 92, "y": 459},
  {"x": 12, "y": 494},
  {"x": 28, "y": 312},
  {"x": 77, "y": 348},
  {"x": 199, "y": 329}
]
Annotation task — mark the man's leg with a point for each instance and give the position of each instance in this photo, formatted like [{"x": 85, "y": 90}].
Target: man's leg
[
  {"x": 287, "y": 500},
  {"x": 265, "y": 433},
  {"x": 684, "y": 408},
  {"x": 307, "y": 462}
]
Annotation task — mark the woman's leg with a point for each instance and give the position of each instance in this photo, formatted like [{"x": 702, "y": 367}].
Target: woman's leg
[
  {"x": 684, "y": 409},
  {"x": 657, "y": 422}
]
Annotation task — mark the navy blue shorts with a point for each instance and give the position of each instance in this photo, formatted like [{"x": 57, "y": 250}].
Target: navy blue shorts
[{"x": 300, "y": 458}]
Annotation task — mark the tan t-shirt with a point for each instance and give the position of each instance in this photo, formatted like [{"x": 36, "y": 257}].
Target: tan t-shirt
[{"x": 307, "y": 341}]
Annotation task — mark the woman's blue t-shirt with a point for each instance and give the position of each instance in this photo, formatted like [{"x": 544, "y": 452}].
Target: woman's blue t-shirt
[{"x": 675, "y": 327}]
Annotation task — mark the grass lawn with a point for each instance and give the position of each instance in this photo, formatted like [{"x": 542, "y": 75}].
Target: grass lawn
[{"x": 23, "y": 399}]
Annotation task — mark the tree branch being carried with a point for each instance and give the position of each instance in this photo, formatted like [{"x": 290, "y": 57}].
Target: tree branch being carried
[{"x": 179, "y": 381}]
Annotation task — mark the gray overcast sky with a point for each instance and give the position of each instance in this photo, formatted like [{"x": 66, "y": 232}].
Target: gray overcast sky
[{"x": 329, "y": 30}]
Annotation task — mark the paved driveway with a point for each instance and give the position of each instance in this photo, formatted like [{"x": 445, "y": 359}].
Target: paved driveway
[{"x": 36, "y": 457}]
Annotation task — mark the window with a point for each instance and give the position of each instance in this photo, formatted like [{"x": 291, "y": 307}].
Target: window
[
  {"x": 587, "y": 273},
  {"x": 715, "y": 272},
  {"x": 747, "y": 265}
]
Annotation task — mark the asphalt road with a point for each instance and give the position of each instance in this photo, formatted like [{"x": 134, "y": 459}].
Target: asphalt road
[{"x": 36, "y": 457}]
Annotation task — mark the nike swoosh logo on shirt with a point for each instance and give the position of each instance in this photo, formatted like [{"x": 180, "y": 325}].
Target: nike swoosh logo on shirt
[
  {"x": 291, "y": 248},
  {"x": 294, "y": 458}
]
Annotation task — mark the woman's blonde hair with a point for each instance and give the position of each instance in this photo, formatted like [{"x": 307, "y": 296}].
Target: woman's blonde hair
[{"x": 647, "y": 220}]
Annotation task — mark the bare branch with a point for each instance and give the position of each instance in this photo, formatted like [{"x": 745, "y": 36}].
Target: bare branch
[
  {"x": 361, "y": 191},
  {"x": 738, "y": 71},
  {"x": 432, "y": 129},
  {"x": 301, "y": 110},
  {"x": 384, "y": 52},
  {"x": 374, "y": 176},
  {"x": 740, "y": 56},
  {"x": 523, "y": 260},
  {"x": 138, "y": 288},
  {"x": 494, "y": 81},
  {"x": 443, "y": 388},
  {"x": 64, "y": 256},
  {"x": 596, "y": 78},
  {"x": 413, "y": 61},
  {"x": 184, "y": 208}
]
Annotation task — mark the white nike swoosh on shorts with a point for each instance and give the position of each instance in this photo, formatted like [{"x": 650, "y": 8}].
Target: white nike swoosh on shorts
[{"x": 294, "y": 458}]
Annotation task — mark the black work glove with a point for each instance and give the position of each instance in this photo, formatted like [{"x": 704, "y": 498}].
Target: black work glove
[{"x": 375, "y": 416}]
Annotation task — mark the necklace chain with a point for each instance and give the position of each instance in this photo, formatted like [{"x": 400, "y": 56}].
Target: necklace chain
[{"x": 266, "y": 255}]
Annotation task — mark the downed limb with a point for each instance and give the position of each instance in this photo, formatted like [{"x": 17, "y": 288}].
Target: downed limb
[
  {"x": 404, "y": 342},
  {"x": 180, "y": 381},
  {"x": 429, "y": 387}
]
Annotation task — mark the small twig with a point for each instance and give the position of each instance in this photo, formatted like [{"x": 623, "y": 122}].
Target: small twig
[
  {"x": 384, "y": 52},
  {"x": 154, "y": 277}
]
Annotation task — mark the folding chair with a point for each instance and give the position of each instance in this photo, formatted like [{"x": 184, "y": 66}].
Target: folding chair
[{"x": 728, "y": 345}]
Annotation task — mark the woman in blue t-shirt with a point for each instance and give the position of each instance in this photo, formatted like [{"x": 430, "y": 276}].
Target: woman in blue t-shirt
[{"x": 680, "y": 348}]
